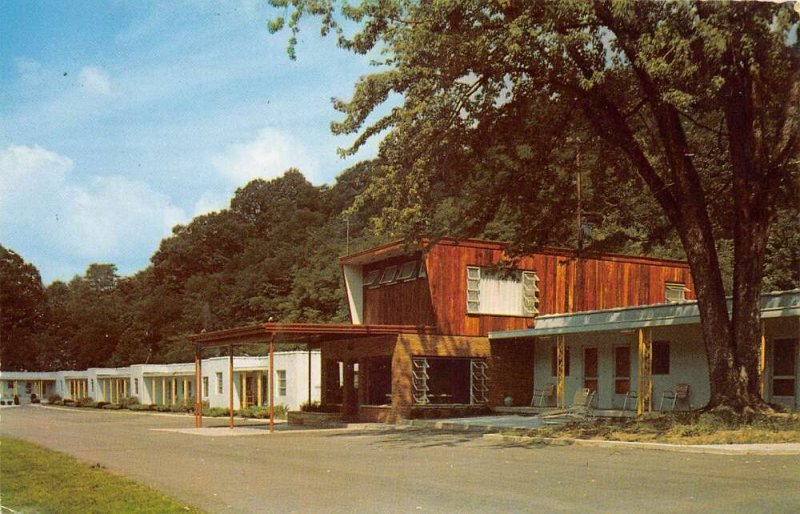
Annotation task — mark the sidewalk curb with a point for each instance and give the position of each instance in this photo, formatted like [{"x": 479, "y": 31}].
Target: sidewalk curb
[{"x": 713, "y": 449}]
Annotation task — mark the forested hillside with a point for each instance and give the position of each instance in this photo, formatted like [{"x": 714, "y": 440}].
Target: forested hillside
[{"x": 273, "y": 254}]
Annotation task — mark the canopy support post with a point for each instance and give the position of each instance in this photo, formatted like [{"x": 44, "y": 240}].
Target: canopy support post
[{"x": 198, "y": 376}]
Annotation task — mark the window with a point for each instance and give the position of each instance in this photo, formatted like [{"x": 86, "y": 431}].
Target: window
[
  {"x": 407, "y": 271},
  {"x": 136, "y": 386},
  {"x": 660, "y": 358},
  {"x": 205, "y": 387},
  {"x": 371, "y": 280},
  {"x": 622, "y": 369},
  {"x": 281, "y": 382},
  {"x": 91, "y": 385},
  {"x": 423, "y": 273},
  {"x": 28, "y": 388},
  {"x": 502, "y": 292},
  {"x": 554, "y": 361},
  {"x": 674, "y": 292},
  {"x": 389, "y": 275},
  {"x": 783, "y": 367},
  {"x": 219, "y": 382}
]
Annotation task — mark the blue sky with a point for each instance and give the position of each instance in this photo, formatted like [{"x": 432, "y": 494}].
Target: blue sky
[{"x": 122, "y": 119}]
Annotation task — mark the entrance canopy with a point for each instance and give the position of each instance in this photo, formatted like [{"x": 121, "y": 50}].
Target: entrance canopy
[
  {"x": 310, "y": 334},
  {"x": 307, "y": 333}
]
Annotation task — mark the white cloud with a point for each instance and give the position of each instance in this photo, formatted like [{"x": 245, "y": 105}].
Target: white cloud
[
  {"x": 268, "y": 155},
  {"x": 44, "y": 211},
  {"x": 94, "y": 80},
  {"x": 210, "y": 202}
]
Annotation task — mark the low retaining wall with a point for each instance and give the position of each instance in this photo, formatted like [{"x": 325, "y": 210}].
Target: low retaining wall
[{"x": 314, "y": 418}]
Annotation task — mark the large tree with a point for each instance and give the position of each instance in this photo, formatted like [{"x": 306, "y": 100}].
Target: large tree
[
  {"x": 700, "y": 99},
  {"x": 22, "y": 310}
]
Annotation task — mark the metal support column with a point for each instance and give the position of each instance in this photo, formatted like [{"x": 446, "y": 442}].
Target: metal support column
[
  {"x": 561, "y": 370},
  {"x": 230, "y": 385},
  {"x": 762, "y": 362},
  {"x": 198, "y": 376},
  {"x": 271, "y": 384},
  {"x": 644, "y": 400}
]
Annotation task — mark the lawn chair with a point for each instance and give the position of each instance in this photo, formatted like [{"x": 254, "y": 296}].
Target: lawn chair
[
  {"x": 681, "y": 392},
  {"x": 548, "y": 391},
  {"x": 633, "y": 396},
  {"x": 581, "y": 407}
]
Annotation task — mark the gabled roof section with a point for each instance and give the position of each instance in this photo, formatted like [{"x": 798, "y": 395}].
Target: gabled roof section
[{"x": 778, "y": 304}]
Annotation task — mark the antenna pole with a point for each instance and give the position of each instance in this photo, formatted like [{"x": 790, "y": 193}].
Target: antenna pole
[{"x": 580, "y": 207}]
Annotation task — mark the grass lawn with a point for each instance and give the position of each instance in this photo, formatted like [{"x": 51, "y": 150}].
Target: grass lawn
[
  {"x": 683, "y": 428},
  {"x": 34, "y": 479}
]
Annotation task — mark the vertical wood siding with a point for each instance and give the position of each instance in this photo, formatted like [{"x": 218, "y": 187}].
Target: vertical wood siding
[{"x": 566, "y": 284}]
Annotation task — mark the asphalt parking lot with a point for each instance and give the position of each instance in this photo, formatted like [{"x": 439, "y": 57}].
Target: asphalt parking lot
[{"x": 403, "y": 470}]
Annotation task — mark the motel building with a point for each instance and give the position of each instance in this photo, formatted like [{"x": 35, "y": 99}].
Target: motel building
[
  {"x": 175, "y": 384},
  {"x": 455, "y": 325}
]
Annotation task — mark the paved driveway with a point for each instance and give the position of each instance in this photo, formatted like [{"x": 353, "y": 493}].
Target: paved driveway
[{"x": 408, "y": 470}]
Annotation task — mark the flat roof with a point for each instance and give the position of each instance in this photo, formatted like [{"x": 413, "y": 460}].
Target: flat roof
[
  {"x": 397, "y": 248},
  {"x": 778, "y": 304},
  {"x": 300, "y": 332}
]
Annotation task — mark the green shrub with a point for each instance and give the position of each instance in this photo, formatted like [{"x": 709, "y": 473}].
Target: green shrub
[
  {"x": 80, "y": 402},
  {"x": 263, "y": 412},
  {"x": 140, "y": 407},
  {"x": 54, "y": 399},
  {"x": 320, "y": 407},
  {"x": 100, "y": 405},
  {"x": 216, "y": 412},
  {"x": 112, "y": 406},
  {"x": 178, "y": 407},
  {"x": 162, "y": 408}
]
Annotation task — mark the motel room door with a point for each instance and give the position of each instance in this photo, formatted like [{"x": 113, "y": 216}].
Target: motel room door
[{"x": 590, "y": 367}]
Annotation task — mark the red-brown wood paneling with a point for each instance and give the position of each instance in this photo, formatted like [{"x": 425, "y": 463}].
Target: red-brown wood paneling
[{"x": 566, "y": 283}]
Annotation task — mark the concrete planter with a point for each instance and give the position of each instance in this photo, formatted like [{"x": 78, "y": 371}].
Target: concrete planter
[{"x": 314, "y": 418}]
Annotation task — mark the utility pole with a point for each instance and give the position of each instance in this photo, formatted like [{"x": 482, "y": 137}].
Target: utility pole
[{"x": 580, "y": 206}]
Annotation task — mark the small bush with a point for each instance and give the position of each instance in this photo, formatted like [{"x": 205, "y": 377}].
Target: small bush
[
  {"x": 320, "y": 407},
  {"x": 132, "y": 400},
  {"x": 53, "y": 398},
  {"x": 162, "y": 408},
  {"x": 68, "y": 402},
  {"x": 100, "y": 405},
  {"x": 140, "y": 407},
  {"x": 180, "y": 408},
  {"x": 216, "y": 412},
  {"x": 112, "y": 406},
  {"x": 84, "y": 402}
]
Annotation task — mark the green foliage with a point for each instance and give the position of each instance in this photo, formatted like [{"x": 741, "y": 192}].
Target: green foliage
[
  {"x": 215, "y": 412},
  {"x": 263, "y": 412},
  {"x": 319, "y": 407},
  {"x": 140, "y": 407},
  {"x": 22, "y": 311}
]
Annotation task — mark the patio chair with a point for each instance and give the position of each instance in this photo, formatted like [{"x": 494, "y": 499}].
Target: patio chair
[
  {"x": 581, "y": 407},
  {"x": 633, "y": 396},
  {"x": 681, "y": 392},
  {"x": 548, "y": 391}
]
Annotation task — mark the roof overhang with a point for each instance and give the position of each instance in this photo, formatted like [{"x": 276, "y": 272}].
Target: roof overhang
[
  {"x": 773, "y": 305},
  {"x": 307, "y": 333}
]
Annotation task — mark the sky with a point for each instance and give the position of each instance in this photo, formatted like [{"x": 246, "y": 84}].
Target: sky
[{"x": 119, "y": 120}]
